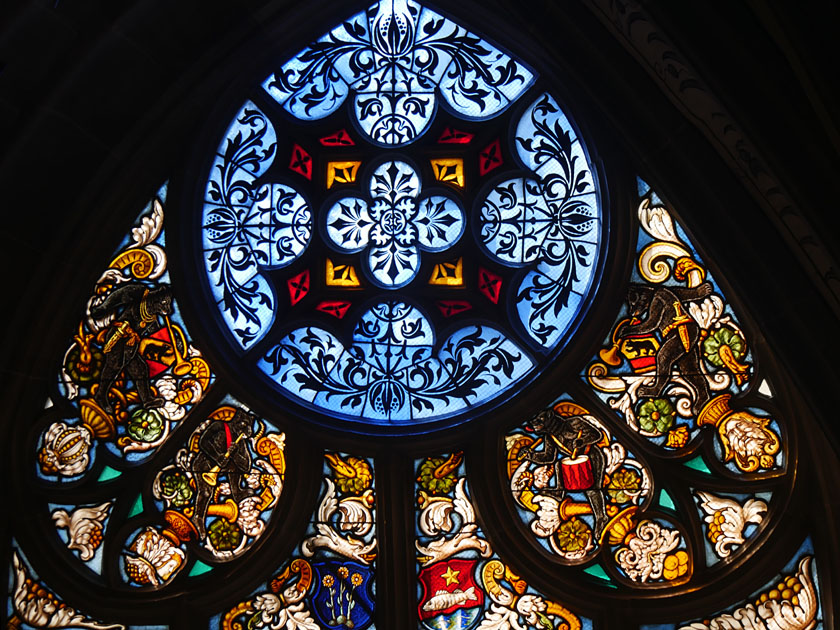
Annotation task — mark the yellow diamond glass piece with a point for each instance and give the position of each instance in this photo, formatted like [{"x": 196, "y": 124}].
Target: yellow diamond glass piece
[
  {"x": 449, "y": 274},
  {"x": 342, "y": 172},
  {"x": 449, "y": 170},
  {"x": 341, "y": 275}
]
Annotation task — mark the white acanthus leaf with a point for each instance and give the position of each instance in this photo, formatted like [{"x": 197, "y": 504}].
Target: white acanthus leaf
[
  {"x": 44, "y": 611},
  {"x": 735, "y": 518},
  {"x": 328, "y": 538},
  {"x": 275, "y": 615},
  {"x": 465, "y": 538},
  {"x": 531, "y": 607},
  {"x": 84, "y": 528},
  {"x": 642, "y": 557},
  {"x": 110, "y": 277},
  {"x": 772, "y": 614},
  {"x": 436, "y": 517},
  {"x": 615, "y": 455},
  {"x": 249, "y": 520},
  {"x": 355, "y": 516},
  {"x": 707, "y": 312},
  {"x": 657, "y": 222},
  {"x": 150, "y": 227},
  {"x": 500, "y": 618},
  {"x": 548, "y": 516}
]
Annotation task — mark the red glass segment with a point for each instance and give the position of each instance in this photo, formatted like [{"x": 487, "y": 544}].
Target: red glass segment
[
  {"x": 336, "y": 308},
  {"x": 301, "y": 161},
  {"x": 298, "y": 286},
  {"x": 490, "y": 157},
  {"x": 338, "y": 139},
  {"x": 453, "y": 136},
  {"x": 453, "y": 307},
  {"x": 156, "y": 367},
  {"x": 489, "y": 284},
  {"x": 449, "y": 587}
]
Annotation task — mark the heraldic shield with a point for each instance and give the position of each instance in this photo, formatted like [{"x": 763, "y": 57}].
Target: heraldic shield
[
  {"x": 451, "y": 599},
  {"x": 344, "y": 596}
]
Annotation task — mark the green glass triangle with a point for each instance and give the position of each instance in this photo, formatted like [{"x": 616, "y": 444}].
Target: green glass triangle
[
  {"x": 109, "y": 473},
  {"x": 137, "y": 507},
  {"x": 666, "y": 501},
  {"x": 597, "y": 571},
  {"x": 698, "y": 464},
  {"x": 199, "y": 568}
]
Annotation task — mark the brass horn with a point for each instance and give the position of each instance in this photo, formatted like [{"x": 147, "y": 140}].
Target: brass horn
[
  {"x": 610, "y": 355},
  {"x": 212, "y": 475},
  {"x": 182, "y": 367}
]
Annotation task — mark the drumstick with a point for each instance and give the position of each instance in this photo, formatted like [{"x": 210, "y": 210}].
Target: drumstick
[{"x": 574, "y": 452}]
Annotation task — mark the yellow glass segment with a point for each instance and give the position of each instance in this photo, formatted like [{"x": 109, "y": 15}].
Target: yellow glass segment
[
  {"x": 342, "y": 172},
  {"x": 449, "y": 274},
  {"x": 449, "y": 170},
  {"x": 341, "y": 275}
]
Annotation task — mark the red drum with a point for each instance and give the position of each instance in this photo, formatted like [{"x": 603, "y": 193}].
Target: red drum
[{"x": 577, "y": 473}]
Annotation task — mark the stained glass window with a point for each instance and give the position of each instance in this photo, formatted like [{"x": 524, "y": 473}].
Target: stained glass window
[{"x": 404, "y": 349}]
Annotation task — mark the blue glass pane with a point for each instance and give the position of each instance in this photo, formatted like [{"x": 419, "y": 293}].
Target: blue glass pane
[
  {"x": 389, "y": 373},
  {"x": 279, "y": 225},
  {"x": 246, "y": 229},
  {"x": 349, "y": 224},
  {"x": 397, "y": 61},
  {"x": 550, "y": 224},
  {"x": 392, "y": 118},
  {"x": 308, "y": 88},
  {"x": 544, "y": 139},
  {"x": 482, "y": 81},
  {"x": 546, "y": 307}
]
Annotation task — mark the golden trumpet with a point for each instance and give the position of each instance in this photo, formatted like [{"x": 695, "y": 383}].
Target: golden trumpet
[
  {"x": 228, "y": 510},
  {"x": 610, "y": 355},
  {"x": 182, "y": 367},
  {"x": 212, "y": 475}
]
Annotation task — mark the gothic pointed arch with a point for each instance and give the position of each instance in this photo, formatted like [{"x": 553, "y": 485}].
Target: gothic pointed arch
[{"x": 413, "y": 323}]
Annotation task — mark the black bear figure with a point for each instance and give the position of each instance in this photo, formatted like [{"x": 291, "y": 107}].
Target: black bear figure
[
  {"x": 135, "y": 308},
  {"x": 680, "y": 335},
  {"x": 570, "y": 435},
  {"x": 222, "y": 449}
]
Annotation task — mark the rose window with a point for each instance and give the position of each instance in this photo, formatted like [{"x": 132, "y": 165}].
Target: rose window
[
  {"x": 398, "y": 292},
  {"x": 357, "y": 368}
]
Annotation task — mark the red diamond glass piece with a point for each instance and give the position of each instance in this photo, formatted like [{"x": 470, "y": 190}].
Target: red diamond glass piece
[
  {"x": 301, "y": 162},
  {"x": 336, "y": 308},
  {"x": 453, "y": 136},
  {"x": 298, "y": 286},
  {"x": 489, "y": 284},
  {"x": 338, "y": 139},
  {"x": 490, "y": 157},
  {"x": 453, "y": 307}
]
